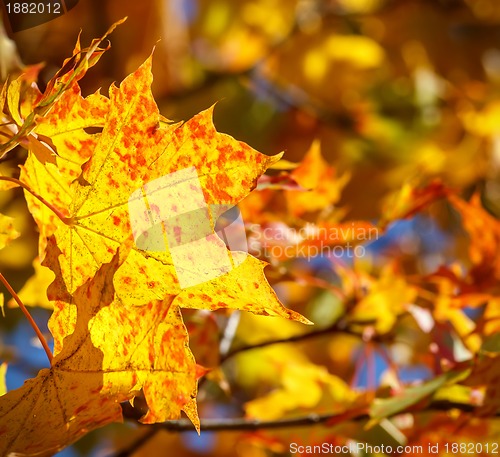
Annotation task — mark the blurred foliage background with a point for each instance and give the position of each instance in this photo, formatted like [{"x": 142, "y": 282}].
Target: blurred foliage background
[{"x": 397, "y": 91}]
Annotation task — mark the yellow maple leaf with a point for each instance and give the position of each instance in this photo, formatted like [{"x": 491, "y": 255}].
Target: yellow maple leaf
[
  {"x": 119, "y": 285},
  {"x": 492, "y": 316},
  {"x": 113, "y": 352},
  {"x": 360, "y": 51},
  {"x": 303, "y": 384},
  {"x": 65, "y": 398},
  {"x": 484, "y": 122},
  {"x": 388, "y": 296},
  {"x": 34, "y": 291},
  {"x": 409, "y": 200},
  {"x": 449, "y": 308},
  {"x": 134, "y": 149},
  {"x": 22, "y": 94},
  {"x": 7, "y": 230},
  {"x": 65, "y": 126},
  {"x": 3, "y": 370}
]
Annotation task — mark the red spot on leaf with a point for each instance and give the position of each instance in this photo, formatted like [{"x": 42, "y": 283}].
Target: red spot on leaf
[{"x": 80, "y": 409}]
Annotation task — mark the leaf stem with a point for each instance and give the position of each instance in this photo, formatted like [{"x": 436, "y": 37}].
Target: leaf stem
[
  {"x": 28, "y": 316},
  {"x": 59, "y": 214},
  {"x": 245, "y": 424}
]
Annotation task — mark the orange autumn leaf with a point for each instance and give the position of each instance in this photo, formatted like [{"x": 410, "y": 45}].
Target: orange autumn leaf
[
  {"x": 321, "y": 180},
  {"x": 410, "y": 200},
  {"x": 143, "y": 347},
  {"x": 24, "y": 115},
  {"x": 203, "y": 338},
  {"x": 42, "y": 150},
  {"x": 261, "y": 206},
  {"x": 484, "y": 232},
  {"x": 312, "y": 186},
  {"x": 448, "y": 307},
  {"x": 439, "y": 433},
  {"x": 27, "y": 428},
  {"x": 486, "y": 374}
]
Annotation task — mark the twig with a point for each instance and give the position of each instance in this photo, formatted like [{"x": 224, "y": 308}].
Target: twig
[
  {"x": 336, "y": 328},
  {"x": 64, "y": 219},
  {"x": 28, "y": 316},
  {"x": 239, "y": 424},
  {"x": 242, "y": 424},
  {"x": 138, "y": 443}
]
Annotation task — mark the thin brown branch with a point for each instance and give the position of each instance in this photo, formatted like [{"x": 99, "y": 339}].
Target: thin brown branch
[
  {"x": 336, "y": 328},
  {"x": 138, "y": 443},
  {"x": 25, "y": 311},
  {"x": 64, "y": 219},
  {"x": 242, "y": 424}
]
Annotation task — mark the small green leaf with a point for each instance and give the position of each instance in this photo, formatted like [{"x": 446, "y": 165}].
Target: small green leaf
[
  {"x": 491, "y": 343},
  {"x": 388, "y": 407}
]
